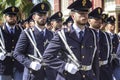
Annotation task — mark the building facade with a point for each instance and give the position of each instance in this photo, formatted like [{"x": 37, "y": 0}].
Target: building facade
[{"x": 111, "y": 7}]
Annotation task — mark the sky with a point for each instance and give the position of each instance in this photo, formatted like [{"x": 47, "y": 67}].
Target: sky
[{"x": 51, "y": 2}]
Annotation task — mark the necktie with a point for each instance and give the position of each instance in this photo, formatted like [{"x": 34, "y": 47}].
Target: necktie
[
  {"x": 80, "y": 36},
  {"x": 11, "y": 31},
  {"x": 98, "y": 37},
  {"x": 42, "y": 35}
]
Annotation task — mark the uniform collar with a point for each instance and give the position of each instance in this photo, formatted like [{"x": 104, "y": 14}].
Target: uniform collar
[
  {"x": 77, "y": 29},
  {"x": 44, "y": 30},
  {"x": 9, "y": 27},
  {"x": 110, "y": 33}
]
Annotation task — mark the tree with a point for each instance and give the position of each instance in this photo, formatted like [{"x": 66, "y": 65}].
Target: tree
[{"x": 23, "y": 5}]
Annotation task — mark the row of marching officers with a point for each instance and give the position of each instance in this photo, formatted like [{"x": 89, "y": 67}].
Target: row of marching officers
[{"x": 82, "y": 52}]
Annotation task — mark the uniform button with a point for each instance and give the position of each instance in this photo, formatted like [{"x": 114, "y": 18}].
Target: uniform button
[
  {"x": 82, "y": 46},
  {"x": 12, "y": 40},
  {"x": 13, "y": 47},
  {"x": 30, "y": 71},
  {"x": 90, "y": 46},
  {"x": 65, "y": 73},
  {"x": 83, "y": 57},
  {"x": 13, "y": 60},
  {"x": 83, "y": 76},
  {"x": 99, "y": 58},
  {"x": 44, "y": 68},
  {"x": 93, "y": 74}
]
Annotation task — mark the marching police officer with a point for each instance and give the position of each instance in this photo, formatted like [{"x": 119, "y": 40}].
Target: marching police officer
[
  {"x": 56, "y": 21},
  {"x": 78, "y": 46},
  {"x": 114, "y": 42},
  {"x": 31, "y": 45},
  {"x": 9, "y": 35},
  {"x": 69, "y": 22},
  {"x": 95, "y": 21},
  {"x": 104, "y": 21}
]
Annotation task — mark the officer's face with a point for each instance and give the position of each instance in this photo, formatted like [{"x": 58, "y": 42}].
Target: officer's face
[
  {"x": 103, "y": 25},
  {"x": 56, "y": 24},
  {"x": 80, "y": 17},
  {"x": 69, "y": 24},
  {"x": 31, "y": 23},
  {"x": 40, "y": 19},
  {"x": 95, "y": 23},
  {"x": 11, "y": 19},
  {"x": 111, "y": 27}
]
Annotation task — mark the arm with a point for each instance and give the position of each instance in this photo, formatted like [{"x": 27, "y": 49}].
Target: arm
[
  {"x": 51, "y": 53},
  {"x": 21, "y": 50}
]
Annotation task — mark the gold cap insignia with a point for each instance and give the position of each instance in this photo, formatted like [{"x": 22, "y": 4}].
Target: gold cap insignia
[
  {"x": 112, "y": 18},
  {"x": 42, "y": 6},
  {"x": 83, "y": 2},
  {"x": 59, "y": 14},
  {"x": 13, "y": 9},
  {"x": 99, "y": 11},
  {"x": 103, "y": 16}
]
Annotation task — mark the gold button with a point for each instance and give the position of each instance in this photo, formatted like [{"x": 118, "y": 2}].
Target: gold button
[
  {"x": 30, "y": 71},
  {"x": 65, "y": 73},
  {"x": 83, "y": 57},
  {"x": 99, "y": 58},
  {"x": 12, "y": 40},
  {"x": 83, "y": 76},
  {"x": 13, "y": 47},
  {"x": 13, "y": 60},
  {"x": 91, "y": 46},
  {"x": 44, "y": 68},
  {"x": 82, "y": 46}
]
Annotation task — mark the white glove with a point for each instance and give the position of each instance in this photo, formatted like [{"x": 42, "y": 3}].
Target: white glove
[
  {"x": 2, "y": 56},
  {"x": 71, "y": 68},
  {"x": 35, "y": 65}
]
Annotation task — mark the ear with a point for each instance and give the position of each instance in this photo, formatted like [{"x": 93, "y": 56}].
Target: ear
[
  {"x": 89, "y": 20},
  {"x": 33, "y": 17}
]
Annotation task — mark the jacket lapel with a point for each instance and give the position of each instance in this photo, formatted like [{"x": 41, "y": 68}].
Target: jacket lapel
[
  {"x": 87, "y": 35},
  {"x": 4, "y": 27},
  {"x": 73, "y": 35}
]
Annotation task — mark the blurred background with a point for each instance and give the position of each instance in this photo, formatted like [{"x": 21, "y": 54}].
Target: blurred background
[{"x": 111, "y": 7}]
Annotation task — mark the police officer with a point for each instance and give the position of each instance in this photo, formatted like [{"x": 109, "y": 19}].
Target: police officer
[
  {"x": 69, "y": 22},
  {"x": 95, "y": 21},
  {"x": 80, "y": 60},
  {"x": 9, "y": 36},
  {"x": 114, "y": 42},
  {"x": 104, "y": 21},
  {"x": 33, "y": 41},
  {"x": 48, "y": 24},
  {"x": 56, "y": 21}
]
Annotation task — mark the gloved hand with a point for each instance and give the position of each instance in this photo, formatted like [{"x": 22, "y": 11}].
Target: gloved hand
[
  {"x": 35, "y": 65},
  {"x": 71, "y": 68},
  {"x": 2, "y": 56}
]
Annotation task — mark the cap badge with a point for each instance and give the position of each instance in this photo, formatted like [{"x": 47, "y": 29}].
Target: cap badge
[
  {"x": 83, "y": 2},
  {"x": 59, "y": 14},
  {"x": 42, "y": 6},
  {"x": 99, "y": 11},
  {"x": 103, "y": 16},
  {"x": 13, "y": 9},
  {"x": 112, "y": 18}
]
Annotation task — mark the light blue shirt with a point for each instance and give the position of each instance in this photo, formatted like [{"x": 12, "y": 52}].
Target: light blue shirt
[
  {"x": 44, "y": 30},
  {"x": 9, "y": 28},
  {"x": 77, "y": 30}
]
